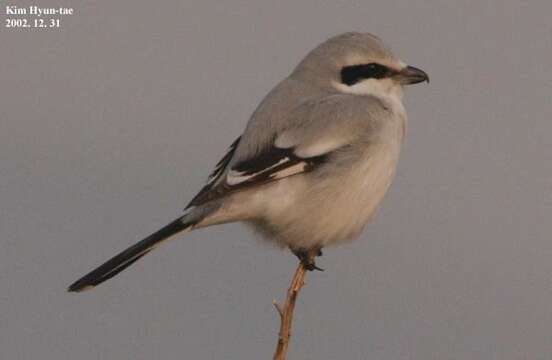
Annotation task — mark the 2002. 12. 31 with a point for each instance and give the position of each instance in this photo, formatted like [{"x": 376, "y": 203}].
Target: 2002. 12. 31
[{"x": 34, "y": 23}]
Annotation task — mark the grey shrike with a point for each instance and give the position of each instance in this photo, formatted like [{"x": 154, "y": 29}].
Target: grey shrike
[{"x": 314, "y": 161}]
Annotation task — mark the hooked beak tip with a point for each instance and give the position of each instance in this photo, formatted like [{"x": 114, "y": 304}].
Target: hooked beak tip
[{"x": 412, "y": 75}]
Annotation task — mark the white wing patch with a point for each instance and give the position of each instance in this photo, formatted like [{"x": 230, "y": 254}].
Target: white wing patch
[
  {"x": 237, "y": 177},
  {"x": 216, "y": 173},
  {"x": 292, "y": 170}
]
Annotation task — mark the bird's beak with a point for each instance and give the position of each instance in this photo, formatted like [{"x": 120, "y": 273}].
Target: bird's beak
[{"x": 411, "y": 75}]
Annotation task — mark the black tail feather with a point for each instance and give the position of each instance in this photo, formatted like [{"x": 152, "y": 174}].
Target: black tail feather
[{"x": 128, "y": 257}]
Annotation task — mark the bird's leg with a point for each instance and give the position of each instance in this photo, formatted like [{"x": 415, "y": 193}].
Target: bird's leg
[{"x": 307, "y": 257}]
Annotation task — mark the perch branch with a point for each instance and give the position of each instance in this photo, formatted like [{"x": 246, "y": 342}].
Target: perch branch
[{"x": 286, "y": 310}]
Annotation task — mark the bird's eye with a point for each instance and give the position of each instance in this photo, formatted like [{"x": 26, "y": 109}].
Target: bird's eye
[{"x": 350, "y": 75}]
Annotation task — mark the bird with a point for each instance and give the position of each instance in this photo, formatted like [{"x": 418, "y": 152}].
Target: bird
[{"x": 314, "y": 161}]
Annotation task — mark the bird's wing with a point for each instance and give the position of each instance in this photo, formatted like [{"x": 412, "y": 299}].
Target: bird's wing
[
  {"x": 215, "y": 176},
  {"x": 223, "y": 163},
  {"x": 315, "y": 130}
]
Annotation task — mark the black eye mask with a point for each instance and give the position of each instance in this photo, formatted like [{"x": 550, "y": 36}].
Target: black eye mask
[{"x": 350, "y": 75}]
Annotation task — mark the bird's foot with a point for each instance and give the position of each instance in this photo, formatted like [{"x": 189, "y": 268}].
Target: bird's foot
[{"x": 307, "y": 257}]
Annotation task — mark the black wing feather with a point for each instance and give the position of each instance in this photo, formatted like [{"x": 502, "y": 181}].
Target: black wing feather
[
  {"x": 260, "y": 169},
  {"x": 221, "y": 165},
  {"x": 215, "y": 175}
]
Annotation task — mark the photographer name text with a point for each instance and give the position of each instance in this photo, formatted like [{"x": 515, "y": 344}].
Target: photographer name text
[{"x": 33, "y": 16}]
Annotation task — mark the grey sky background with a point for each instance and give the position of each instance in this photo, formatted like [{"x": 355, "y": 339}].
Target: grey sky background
[{"x": 109, "y": 126}]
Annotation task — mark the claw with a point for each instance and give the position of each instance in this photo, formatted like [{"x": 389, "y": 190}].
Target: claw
[
  {"x": 306, "y": 258},
  {"x": 312, "y": 266}
]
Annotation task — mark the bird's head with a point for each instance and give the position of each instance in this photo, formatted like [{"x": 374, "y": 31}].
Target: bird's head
[{"x": 360, "y": 64}]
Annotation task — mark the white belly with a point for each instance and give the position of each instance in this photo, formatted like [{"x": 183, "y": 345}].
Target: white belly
[{"x": 332, "y": 209}]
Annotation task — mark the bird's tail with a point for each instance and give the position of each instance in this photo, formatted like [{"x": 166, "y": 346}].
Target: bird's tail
[{"x": 126, "y": 258}]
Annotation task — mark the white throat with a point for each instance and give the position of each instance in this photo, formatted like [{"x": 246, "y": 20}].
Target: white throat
[{"x": 384, "y": 89}]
